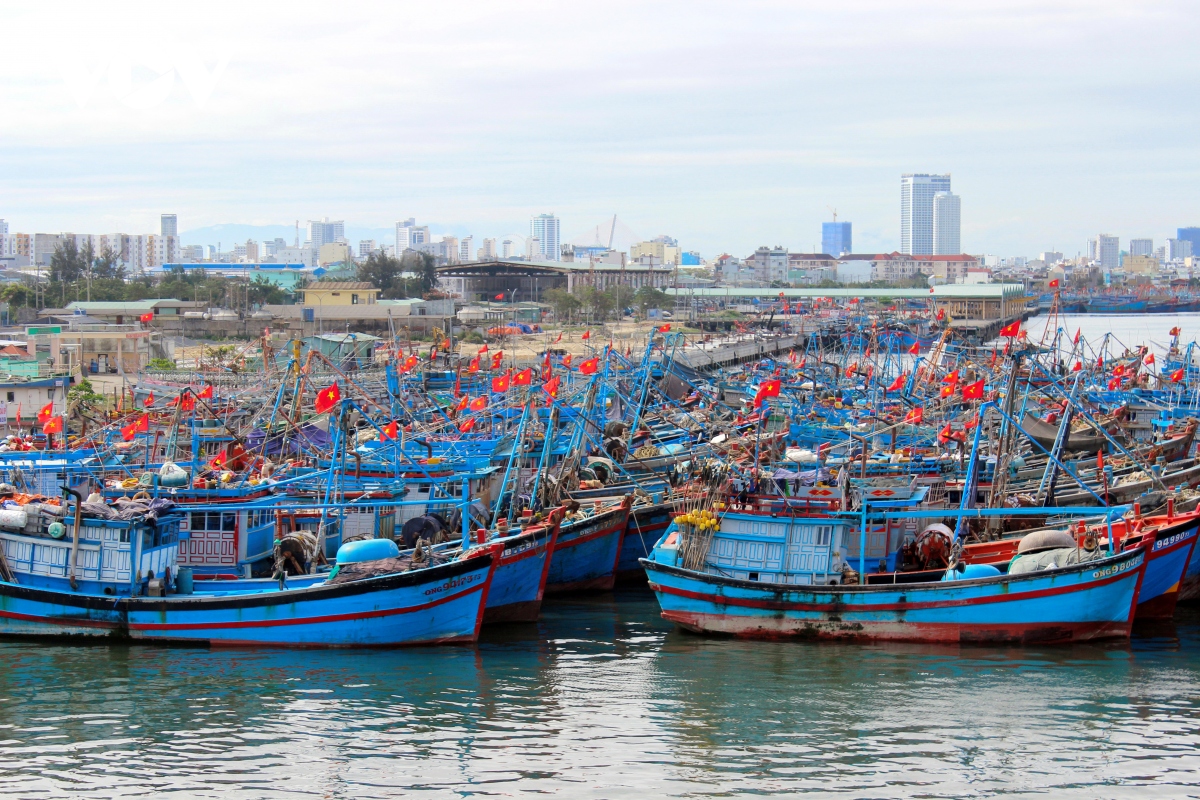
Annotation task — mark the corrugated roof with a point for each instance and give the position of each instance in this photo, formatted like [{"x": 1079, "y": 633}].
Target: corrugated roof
[
  {"x": 981, "y": 290},
  {"x": 338, "y": 286}
]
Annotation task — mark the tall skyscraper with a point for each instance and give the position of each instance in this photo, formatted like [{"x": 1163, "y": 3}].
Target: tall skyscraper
[
  {"x": 947, "y": 224},
  {"x": 410, "y": 236},
  {"x": 169, "y": 225},
  {"x": 835, "y": 238},
  {"x": 464, "y": 249},
  {"x": 1105, "y": 250},
  {"x": 323, "y": 233},
  {"x": 916, "y": 211},
  {"x": 1141, "y": 247},
  {"x": 1190, "y": 235},
  {"x": 544, "y": 228}
]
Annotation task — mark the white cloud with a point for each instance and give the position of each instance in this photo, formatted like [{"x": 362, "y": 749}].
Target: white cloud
[{"x": 725, "y": 125}]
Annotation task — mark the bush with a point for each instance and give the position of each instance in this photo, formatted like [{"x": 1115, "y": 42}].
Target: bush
[
  {"x": 160, "y": 364},
  {"x": 472, "y": 337}
]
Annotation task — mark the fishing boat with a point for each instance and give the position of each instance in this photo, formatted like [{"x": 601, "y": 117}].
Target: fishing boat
[{"x": 588, "y": 547}]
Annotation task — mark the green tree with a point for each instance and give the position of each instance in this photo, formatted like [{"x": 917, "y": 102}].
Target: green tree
[
  {"x": 622, "y": 297},
  {"x": 265, "y": 292},
  {"x": 385, "y": 273},
  {"x": 597, "y": 303},
  {"x": 69, "y": 263},
  {"x": 565, "y": 304},
  {"x": 649, "y": 297}
]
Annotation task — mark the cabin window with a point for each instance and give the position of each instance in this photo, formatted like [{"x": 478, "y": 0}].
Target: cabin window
[
  {"x": 824, "y": 535},
  {"x": 50, "y": 393},
  {"x": 353, "y": 299},
  {"x": 12, "y": 396},
  {"x": 229, "y": 521},
  {"x": 753, "y": 576}
]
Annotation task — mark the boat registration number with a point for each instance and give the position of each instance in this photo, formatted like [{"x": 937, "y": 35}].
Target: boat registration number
[
  {"x": 1170, "y": 540},
  {"x": 453, "y": 583},
  {"x": 1116, "y": 568}
]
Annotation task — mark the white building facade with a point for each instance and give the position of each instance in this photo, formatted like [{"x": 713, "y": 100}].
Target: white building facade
[{"x": 917, "y": 191}]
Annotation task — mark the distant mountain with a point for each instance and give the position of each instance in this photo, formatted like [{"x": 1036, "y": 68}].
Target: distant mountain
[{"x": 229, "y": 234}]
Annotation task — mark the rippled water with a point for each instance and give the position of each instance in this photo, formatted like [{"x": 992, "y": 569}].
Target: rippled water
[{"x": 602, "y": 699}]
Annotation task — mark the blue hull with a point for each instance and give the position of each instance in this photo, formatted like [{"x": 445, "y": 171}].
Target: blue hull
[
  {"x": 1166, "y": 565},
  {"x": 646, "y": 526},
  {"x": 585, "y": 555},
  {"x": 521, "y": 574},
  {"x": 1087, "y": 601},
  {"x": 29, "y": 611},
  {"x": 427, "y": 606}
]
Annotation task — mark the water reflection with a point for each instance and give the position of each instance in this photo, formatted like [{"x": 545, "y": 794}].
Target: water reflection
[{"x": 602, "y": 699}]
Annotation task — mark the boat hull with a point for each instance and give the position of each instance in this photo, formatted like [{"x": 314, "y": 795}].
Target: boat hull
[
  {"x": 520, "y": 581},
  {"x": 646, "y": 526},
  {"x": 1166, "y": 565},
  {"x": 429, "y": 606},
  {"x": 1082, "y": 602},
  {"x": 31, "y": 611},
  {"x": 585, "y": 555}
]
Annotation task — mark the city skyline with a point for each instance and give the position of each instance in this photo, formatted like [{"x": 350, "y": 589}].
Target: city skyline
[{"x": 226, "y": 124}]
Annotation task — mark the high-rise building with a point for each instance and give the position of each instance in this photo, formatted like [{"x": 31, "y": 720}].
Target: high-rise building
[
  {"x": 464, "y": 249},
  {"x": 169, "y": 225},
  {"x": 1190, "y": 235},
  {"x": 252, "y": 251},
  {"x": 1177, "y": 250},
  {"x": 916, "y": 211},
  {"x": 366, "y": 247},
  {"x": 1141, "y": 247},
  {"x": 325, "y": 232},
  {"x": 506, "y": 248},
  {"x": 836, "y": 238},
  {"x": 947, "y": 224},
  {"x": 410, "y": 237},
  {"x": 544, "y": 228},
  {"x": 1105, "y": 250},
  {"x": 488, "y": 251},
  {"x": 1050, "y": 257}
]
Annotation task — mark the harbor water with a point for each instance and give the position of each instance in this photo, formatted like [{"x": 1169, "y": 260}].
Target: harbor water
[{"x": 602, "y": 699}]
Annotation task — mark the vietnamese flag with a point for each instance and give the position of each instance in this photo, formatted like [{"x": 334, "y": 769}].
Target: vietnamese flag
[
  {"x": 948, "y": 391},
  {"x": 567, "y": 361},
  {"x": 915, "y": 416},
  {"x": 1176, "y": 376},
  {"x": 129, "y": 431},
  {"x": 590, "y": 367},
  {"x": 951, "y": 378},
  {"x": 973, "y": 391},
  {"x": 462, "y": 403},
  {"x": 147, "y": 317},
  {"x": 1150, "y": 359},
  {"x": 149, "y": 401},
  {"x": 559, "y": 339},
  {"x": 1011, "y": 330},
  {"x": 390, "y": 431},
  {"x": 941, "y": 315},
  {"x": 550, "y": 387},
  {"x": 1174, "y": 332},
  {"x": 143, "y": 423},
  {"x": 803, "y": 361},
  {"x": 497, "y": 358},
  {"x": 915, "y": 350},
  {"x": 500, "y": 384},
  {"x": 478, "y": 404},
  {"x": 206, "y": 392},
  {"x": 1114, "y": 384},
  {"x": 500, "y": 296},
  {"x": 46, "y": 413},
  {"x": 1118, "y": 370},
  {"x": 467, "y": 425},
  {"x": 944, "y": 434},
  {"x": 897, "y": 384},
  {"x": 328, "y": 397},
  {"x": 218, "y": 461},
  {"x": 586, "y": 335},
  {"x": 1054, "y": 283},
  {"x": 474, "y": 365},
  {"x": 53, "y": 425},
  {"x": 523, "y": 378},
  {"x": 972, "y": 423},
  {"x": 1077, "y": 331},
  {"x": 664, "y": 328},
  {"x": 482, "y": 350},
  {"x": 1078, "y": 366}
]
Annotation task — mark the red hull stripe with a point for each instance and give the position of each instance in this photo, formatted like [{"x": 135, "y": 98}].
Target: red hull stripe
[
  {"x": 587, "y": 537},
  {"x": 64, "y": 621},
  {"x": 775, "y": 605},
  {"x": 271, "y": 623}
]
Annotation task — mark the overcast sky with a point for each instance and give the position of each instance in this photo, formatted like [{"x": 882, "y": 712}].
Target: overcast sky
[{"x": 725, "y": 125}]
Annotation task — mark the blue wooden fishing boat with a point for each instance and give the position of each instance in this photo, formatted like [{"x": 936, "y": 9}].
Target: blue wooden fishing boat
[
  {"x": 522, "y": 572},
  {"x": 588, "y": 547},
  {"x": 433, "y": 605}
]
